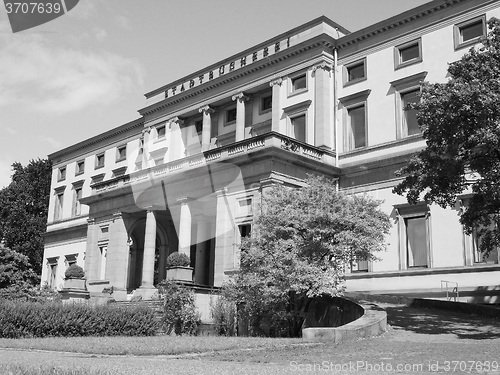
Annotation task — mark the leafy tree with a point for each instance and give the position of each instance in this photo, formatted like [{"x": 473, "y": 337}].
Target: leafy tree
[
  {"x": 300, "y": 246},
  {"x": 23, "y": 210},
  {"x": 15, "y": 269},
  {"x": 460, "y": 121}
]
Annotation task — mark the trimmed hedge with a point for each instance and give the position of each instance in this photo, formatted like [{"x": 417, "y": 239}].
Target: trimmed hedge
[{"x": 31, "y": 319}]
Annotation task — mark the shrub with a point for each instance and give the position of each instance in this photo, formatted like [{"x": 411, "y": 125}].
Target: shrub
[
  {"x": 223, "y": 313},
  {"x": 74, "y": 272},
  {"x": 179, "y": 309},
  {"x": 28, "y": 292},
  {"x": 177, "y": 259},
  {"x": 33, "y": 319}
]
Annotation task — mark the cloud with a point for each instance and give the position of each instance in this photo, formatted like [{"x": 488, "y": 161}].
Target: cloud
[
  {"x": 51, "y": 141},
  {"x": 99, "y": 33},
  {"x": 55, "y": 79},
  {"x": 123, "y": 21}
]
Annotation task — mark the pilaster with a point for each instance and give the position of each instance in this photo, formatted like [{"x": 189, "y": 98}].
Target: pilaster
[
  {"x": 117, "y": 257},
  {"x": 207, "y": 125},
  {"x": 184, "y": 226},
  {"x": 276, "y": 107},
  {"x": 240, "y": 115},
  {"x": 224, "y": 238},
  {"x": 91, "y": 252},
  {"x": 323, "y": 103},
  {"x": 177, "y": 147}
]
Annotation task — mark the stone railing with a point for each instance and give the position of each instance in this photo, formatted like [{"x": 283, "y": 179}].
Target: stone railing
[{"x": 224, "y": 153}]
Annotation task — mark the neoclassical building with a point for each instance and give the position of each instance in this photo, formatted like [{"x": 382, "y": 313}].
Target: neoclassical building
[{"x": 188, "y": 174}]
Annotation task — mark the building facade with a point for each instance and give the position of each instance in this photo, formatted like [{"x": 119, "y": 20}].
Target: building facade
[{"x": 188, "y": 174}]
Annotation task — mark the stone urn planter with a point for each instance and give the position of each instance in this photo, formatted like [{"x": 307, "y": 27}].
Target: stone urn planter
[
  {"x": 178, "y": 267},
  {"x": 74, "y": 290},
  {"x": 180, "y": 274}
]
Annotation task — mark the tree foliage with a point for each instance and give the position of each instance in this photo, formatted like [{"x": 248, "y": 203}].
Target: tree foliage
[
  {"x": 23, "y": 210},
  {"x": 460, "y": 121},
  {"x": 301, "y": 244},
  {"x": 15, "y": 271}
]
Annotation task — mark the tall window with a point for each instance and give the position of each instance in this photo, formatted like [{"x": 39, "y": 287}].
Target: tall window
[
  {"x": 416, "y": 241},
  {"x": 356, "y": 127},
  {"x": 414, "y": 236},
  {"x": 80, "y": 167},
  {"x": 52, "y": 272},
  {"x": 103, "y": 252},
  {"x": 242, "y": 232},
  {"x": 76, "y": 201},
  {"x": 409, "y": 115},
  {"x": 406, "y": 93},
  {"x": 61, "y": 174},
  {"x": 58, "y": 206},
  {"x": 298, "y": 128},
  {"x": 99, "y": 161},
  {"x": 480, "y": 256},
  {"x": 121, "y": 153}
]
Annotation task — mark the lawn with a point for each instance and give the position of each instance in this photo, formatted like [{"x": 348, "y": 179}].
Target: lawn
[{"x": 152, "y": 345}]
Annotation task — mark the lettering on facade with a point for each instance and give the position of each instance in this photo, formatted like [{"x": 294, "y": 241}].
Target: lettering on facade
[{"x": 228, "y": 67}]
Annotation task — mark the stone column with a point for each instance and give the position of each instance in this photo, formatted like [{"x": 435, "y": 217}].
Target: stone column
[
  {"x": 117, "y": 259},
  {"x": 240, "y": 115},
  {"x": 162, "y": 271},
  {"x": 224, "y": 238},
  {"x": 323, "y": 103},
  {"x": 91, "y": 252},
  {"x": 177, "y": 147},
  {"x": 201, "y": 266},
  {"x": 148, "y": 264},
  {"x": 184, "y": 227},
  {"x": 146, "y": 146},
  {"x": 276, "y": 110},
  {"x": 206, "y": 128}
]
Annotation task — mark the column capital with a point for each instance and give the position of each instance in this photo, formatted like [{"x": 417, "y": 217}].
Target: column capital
[
  {"x": 324, "y": 65},
  {"x": 206, "y": 110},
  {"x": 221, "y": 192},
  {"x": 146, "y": 130},
  {"x": 241, "y": 97},
  {"x": 277, "y": 81},
  {"x": 91, "y": 221},
  {"x": 175, "y": 119},
  {"x": 117, "y": 215},
  {"x": 182, "y": 200}
]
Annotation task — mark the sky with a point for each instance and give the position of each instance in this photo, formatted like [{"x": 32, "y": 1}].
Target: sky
[{"x": 87, "y": 72}]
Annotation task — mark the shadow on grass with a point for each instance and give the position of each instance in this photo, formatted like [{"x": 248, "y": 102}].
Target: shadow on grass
[{"x": 437, "y": 322}]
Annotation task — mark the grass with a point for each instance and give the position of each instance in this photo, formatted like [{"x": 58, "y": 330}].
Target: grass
[
  {"x": 155, "y": 345},
  {"x": 40, "y": 370}
]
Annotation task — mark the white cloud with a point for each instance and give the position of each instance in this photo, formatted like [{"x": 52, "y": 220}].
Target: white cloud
[
  {"x": 99, "y": 33},
  {"x": 51, "y": 141},
  {"x": 58, "y": 80}
]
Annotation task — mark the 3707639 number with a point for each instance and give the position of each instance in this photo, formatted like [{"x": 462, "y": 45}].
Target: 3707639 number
[{"x": 33, "y": 8}]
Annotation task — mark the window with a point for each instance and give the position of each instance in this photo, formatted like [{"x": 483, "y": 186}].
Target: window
[
  {"x": 160, "y": 130},
  {"x": 414, "y": 236},
  {"x": 58, "y": 207},
  {"x": 355, "y": 72},
  {"x": 198, "y": 126},
  {"x": 121, "y": 153},
  {"x": 359, "y": 266},
  {"x": 409, "y": 115},
  {"x": 406, "y": 91},
  {"x": 76, "y": 211},
  {"x": 71, "y": 259},
  {"x": 103, "y": 253},
  {"x": 80, "y": 167},
  {"x": 408, "y": 54},
  {"x": 298, "y": 127},
  {"x": 242, "y": 232},
  {"x": 469, "y": 32},
  {"x": 480, "y": 256},
  {"x": 52, "y": 272},
  {"x": 99, "y": 161},
  {"x": 61, "y": 176},
  {"x": 356, "y": 128},
  {"x": 298, "y": 84},
  {"x": 230, "y": 115},
  {"x": 355, "y": 120},
  {"x": 266, "y": 103}
]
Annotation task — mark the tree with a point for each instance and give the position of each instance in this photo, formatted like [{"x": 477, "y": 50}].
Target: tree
[
  {"x": 15, "y": 269},
  {"x": 460, "y": 121},
  {"x": 23, "y": 210},
  {"x": 301, "y": 244}
]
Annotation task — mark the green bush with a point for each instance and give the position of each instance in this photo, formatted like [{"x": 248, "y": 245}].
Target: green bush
[
  {"x": 177, "y": 259},
  {"x": 32, "y": 319},
  {"x": 224, "y": 314},
  {"x": 180, "y": 315},
  {"x": 28, "y": 292},
  {"x": 74, "y": 272}
]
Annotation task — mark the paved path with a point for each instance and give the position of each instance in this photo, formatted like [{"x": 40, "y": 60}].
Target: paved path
[{"x": 420, "y": 341}]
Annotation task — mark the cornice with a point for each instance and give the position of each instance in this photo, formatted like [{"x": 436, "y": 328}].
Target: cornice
[
  {"x": 100, "y": 138},
  {"x": 323, "y": 40},
  {"x": 396, "y": 21}
]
